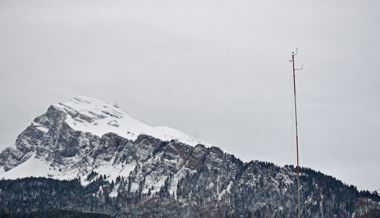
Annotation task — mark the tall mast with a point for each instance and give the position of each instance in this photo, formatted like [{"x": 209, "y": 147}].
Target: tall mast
[{"x": 298, "y": 169}]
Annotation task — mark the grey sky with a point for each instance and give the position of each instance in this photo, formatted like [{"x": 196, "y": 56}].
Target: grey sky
[{"x": 217, "y": 70}]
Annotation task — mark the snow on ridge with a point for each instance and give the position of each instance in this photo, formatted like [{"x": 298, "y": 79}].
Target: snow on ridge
[{"x": 99, "y": 117}]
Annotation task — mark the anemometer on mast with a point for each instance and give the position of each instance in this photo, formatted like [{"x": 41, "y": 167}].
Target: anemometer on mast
[{"x": 298, "y": 169}]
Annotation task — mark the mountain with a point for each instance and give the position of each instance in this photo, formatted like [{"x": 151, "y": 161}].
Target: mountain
[
  {"x": 88, "y": 156},
  {"x": 75, "y": 137}
]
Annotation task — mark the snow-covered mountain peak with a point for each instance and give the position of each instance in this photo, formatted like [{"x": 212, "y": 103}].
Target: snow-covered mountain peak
[
  {"x": 100, "y": 117},
  {"x": 81, "y": 135}
]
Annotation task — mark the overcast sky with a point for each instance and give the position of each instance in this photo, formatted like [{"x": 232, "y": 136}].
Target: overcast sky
[{"x": 217, "y": 70}]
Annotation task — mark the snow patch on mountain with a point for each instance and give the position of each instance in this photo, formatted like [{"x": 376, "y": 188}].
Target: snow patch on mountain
[
  {"x": 35, "y": 167},
  {"x": 40, "y": 127},
  {"x": 113, "y": 171}
]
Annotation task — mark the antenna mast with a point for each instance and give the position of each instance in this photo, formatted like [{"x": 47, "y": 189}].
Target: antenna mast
[{"x": 298, "y": 169}]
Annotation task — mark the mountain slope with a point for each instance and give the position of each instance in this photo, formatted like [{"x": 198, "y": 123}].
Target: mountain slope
[{"x": 122, "y": 167}]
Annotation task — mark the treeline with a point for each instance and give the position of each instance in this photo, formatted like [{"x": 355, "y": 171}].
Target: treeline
[{"x": 51, "y": 214}]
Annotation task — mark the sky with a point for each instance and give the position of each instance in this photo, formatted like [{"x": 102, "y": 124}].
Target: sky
[{"x": 216, "y": 70}]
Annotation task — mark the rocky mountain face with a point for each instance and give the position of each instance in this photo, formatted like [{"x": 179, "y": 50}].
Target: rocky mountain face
[{"x": 91, "y": 157}]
